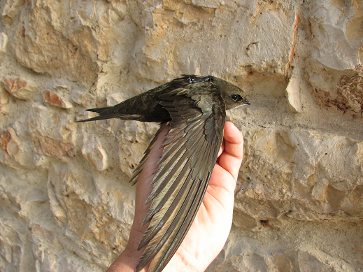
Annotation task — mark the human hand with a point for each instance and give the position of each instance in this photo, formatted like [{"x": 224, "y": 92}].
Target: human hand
[{"x": 210, "y": 228}]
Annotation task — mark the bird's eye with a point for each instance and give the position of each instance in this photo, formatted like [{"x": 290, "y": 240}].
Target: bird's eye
[{"x": 236, "y": 97}]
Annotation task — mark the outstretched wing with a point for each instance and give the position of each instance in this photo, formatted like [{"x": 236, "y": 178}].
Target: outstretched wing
[{"x": 183, "y": 171}]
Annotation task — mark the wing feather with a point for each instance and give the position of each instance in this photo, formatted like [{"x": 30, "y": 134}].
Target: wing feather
[
  {"x": 178, "y": 194},
  {"x": 173, "y": 189},
  {"x": 137, "y": 171},
  {"x": 189, "y": 154},
  {"x": 157, "y": 242}
]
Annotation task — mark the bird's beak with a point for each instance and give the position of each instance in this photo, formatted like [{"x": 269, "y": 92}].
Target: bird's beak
[{"x": 247, "y": 102}]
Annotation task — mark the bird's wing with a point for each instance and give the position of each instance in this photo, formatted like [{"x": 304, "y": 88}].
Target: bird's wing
[{"x": 183, "y": 171}]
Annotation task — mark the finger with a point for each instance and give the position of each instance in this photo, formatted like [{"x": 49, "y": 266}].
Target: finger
[
  {"x": 221, "y": 149},
  {"x": 231, "y": 158}
]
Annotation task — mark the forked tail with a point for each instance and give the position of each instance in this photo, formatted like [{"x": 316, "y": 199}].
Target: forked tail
[{"x": 104, "y": 113}]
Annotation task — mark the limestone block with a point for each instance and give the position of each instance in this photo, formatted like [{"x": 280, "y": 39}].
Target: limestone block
[
  {"x": 247, "y": 250},
  {"x": 294, "y": 260},
  {"x": 336, "y": 35},
  {"x": 307, "y": 262},
  {"x": 15, "y": 237},
  {"x": 243, "y": 220},
  {"x": 13, "y": 152},
  {"x": 11, "y": 11},
  {"x": 94, "y": 153},
  {"x": 4, "y": 96},
  {"x": 81, "y": 207},
  {"x": 4, "y": 109},
  {"x": 205, "y": 46},
  {"x": 206, "y": 3},
  {"x": 68, "y": 40},
  {"x": 3, "y": 44},
  {"x": 51, "y": 131},
  {"x": 247, "y": 262},
  {"x": 335, "y": 63},
  {"x": 83, "y": 97},
  {"x": 299, "y": 166},
  {"x": 42, "y": 47},
  {"x": 19, "y": 88},
  {"x": 279, "y": 262},
  {"x": 115, "y": 98},
  {"x": 4, "y": 99},
  {"x": 54, "y": 99},
  {"x": 347, "y": 96},
  {"x": 294, "y": 91}
]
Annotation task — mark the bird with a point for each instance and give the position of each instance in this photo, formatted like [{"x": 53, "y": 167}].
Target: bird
[{"x": 194, "y": 108}]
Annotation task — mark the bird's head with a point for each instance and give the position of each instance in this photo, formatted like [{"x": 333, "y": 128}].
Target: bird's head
[{"x": 232, "y": 95}]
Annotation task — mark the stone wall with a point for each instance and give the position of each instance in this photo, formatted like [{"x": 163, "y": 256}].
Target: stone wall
[{"x": 65, "y": 201}]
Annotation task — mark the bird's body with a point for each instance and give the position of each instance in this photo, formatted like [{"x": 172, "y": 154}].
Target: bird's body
[{"x": 195, "y": 109}]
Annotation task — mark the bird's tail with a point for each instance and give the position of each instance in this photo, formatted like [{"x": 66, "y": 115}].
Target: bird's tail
[
  {"x": 99, "y": 110},
  {"x": 104, "y": 113}
]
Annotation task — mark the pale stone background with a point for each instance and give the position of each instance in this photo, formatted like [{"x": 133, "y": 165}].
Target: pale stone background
[{"x": 66, "y": 204}]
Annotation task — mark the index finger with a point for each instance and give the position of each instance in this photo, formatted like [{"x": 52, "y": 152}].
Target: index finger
[{"x": 232, "y": 155}]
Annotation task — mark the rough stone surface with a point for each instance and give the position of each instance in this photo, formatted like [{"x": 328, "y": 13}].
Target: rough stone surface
[
  {"x": 54, "y": 99},
  {"x": 3, "y": 44},
  {"x": 52, "y": 132},
  {"x": 4, "y": 100},
  {"x": 19, "y": 88},
  {"x": 94, "y": 153},
  {"x": 66, "y": 204}
]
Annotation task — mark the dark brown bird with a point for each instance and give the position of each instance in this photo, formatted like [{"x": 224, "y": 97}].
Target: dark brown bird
[{"x": 195, "y": 109}]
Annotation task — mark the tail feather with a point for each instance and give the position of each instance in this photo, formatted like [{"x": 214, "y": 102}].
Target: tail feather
[
  {"x": 104, "y": 113},
  {"x": 99, "y": 110},
  {"x": 101, "y": 117}
]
